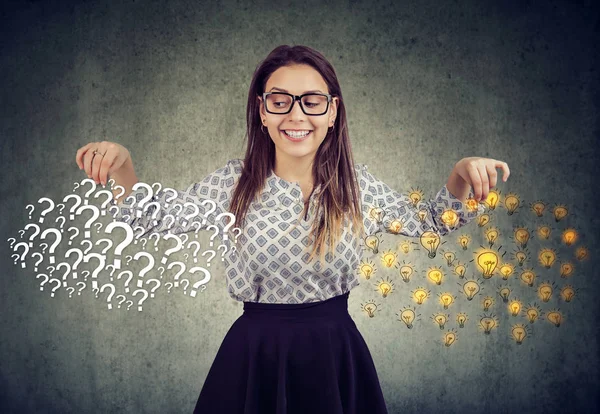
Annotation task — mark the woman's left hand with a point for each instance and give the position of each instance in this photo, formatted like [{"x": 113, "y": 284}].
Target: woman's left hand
[{"x": 480, "y": 173}]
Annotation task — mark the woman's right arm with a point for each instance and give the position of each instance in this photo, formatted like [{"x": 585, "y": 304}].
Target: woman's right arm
[
  {"x": 172, "y": 209},
  {"x": 114, "y": 161}
]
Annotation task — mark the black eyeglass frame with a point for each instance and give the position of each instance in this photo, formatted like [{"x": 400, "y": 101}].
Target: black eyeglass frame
[{"x": 294, "y": 99}]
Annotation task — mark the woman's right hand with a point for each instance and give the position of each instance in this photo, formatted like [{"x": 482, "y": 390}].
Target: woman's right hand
[{"x": 109, "y": 158}]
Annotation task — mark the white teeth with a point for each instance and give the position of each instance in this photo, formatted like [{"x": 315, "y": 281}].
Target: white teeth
[{"x": 296, "y": 134}]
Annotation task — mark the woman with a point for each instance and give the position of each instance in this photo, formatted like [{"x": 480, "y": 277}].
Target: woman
[{"x": 295, "y": 349}]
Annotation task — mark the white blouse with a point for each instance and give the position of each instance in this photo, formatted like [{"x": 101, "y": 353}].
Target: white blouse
[{"x": 269, "y": 262}]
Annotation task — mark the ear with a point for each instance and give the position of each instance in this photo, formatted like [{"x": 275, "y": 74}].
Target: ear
[
  {"x": 333, "y": 110},
  {"x": 261, "y": 107}
]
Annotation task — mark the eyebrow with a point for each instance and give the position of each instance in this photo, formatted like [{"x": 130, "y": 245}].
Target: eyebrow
[{"x": 283, "y": 90}]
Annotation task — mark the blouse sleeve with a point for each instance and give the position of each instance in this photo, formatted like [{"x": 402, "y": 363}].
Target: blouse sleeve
[
  {"x": 215, "y": 186},
  {"x": 395, "y": 213}
]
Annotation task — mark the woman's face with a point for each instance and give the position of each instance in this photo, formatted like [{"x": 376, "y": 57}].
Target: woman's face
[{"x": 297, "y": 80}]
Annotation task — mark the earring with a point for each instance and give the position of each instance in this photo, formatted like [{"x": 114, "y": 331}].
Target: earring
[{"x": 262, "y": 129}]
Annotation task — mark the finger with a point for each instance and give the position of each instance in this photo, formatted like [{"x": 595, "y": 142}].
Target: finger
[
  {"x": 107, "y": 162},
  {"x": 475, "y": 178},
  {"x": 87, "y": 160},
  {"x": 485, "y": 182},
  {"x": 506, "y": 170},
  {"x": 80, "y": 153},
  {"x": 493, "y": 176},
  {"x": 96, "y": 163}
]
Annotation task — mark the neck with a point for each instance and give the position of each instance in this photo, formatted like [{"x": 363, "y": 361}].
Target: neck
[{"x": 294, "y": 169}]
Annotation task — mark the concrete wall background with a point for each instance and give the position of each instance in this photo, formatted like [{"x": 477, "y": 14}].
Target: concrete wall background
[{"x": 426, "y": 83}]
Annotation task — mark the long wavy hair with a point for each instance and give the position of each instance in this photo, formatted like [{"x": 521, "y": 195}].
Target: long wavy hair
[{"x": 338, "y": 202}]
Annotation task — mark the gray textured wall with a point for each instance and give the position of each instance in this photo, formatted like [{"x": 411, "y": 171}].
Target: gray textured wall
[{"x": 426, "y": 83}]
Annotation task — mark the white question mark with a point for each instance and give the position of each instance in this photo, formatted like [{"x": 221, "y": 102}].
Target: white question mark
[
  {"x": 202, "y": 282},
  {"x": 50, "y": 207},
  {"x": 57, "y": 240},
  {"x": 128, "y": 238}
]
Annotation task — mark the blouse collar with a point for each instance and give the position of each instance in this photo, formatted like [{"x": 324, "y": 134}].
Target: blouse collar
[{"x": 274, "y": 183}]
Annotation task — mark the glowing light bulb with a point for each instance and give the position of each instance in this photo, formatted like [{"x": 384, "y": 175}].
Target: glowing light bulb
[
  {"x": 385, "y": 288},
  {"x": 487, "y": 302},
  {"x": 388, "y": 259},
  {"x": 491, "y": 235},
  {"x": 483, "y": 220},
  {"x": 581, "y": 253},
  {"x": 521, "y": 256},
  {"x": 569, "y": 236},
  {"x": 547, "y": 257},
  {"x": 532, "y": 314},
  {"x": 506, "y": 270},
  {"x": 472, "y": 204},
  {"x": 514, "y": 307},
  {"x": 544, "y": 232},
  {"x": 405, "y": 247},
  {"x": 430, "y": 241},
  {"x": 511, "y": 203},
  {"x": 408, "y": 316},
  {"x": 435, "y": 275},
  {"x": 519, "y": 333},
  {"x": 395, "y": 226},
  {"x": 545, "y": 291},
  {"x": 406, "y": 271},
  {"x": 366, "y": 270},
  {"x": 471, "y": 288},
  {"x": 487, "y": 323},
  {"x": 460, "y": 270},
  {"x": 420, "y": 295},
  {"x": 372, "y": 242},
  {"x": 440, "y": 319},
  {"x": 447, "y": 299},
  {"x": 560, "y": 212},
  {"x": 528, "y": 277},
  {"x": 449, "y": 256},
  {"x": 487, "y": 263},
  {"x": 449, "y": 217},
  {"x": 555, "y": 317},
  {"x": 377, "y": 214},
  {"x": 415, "y": 197},
  {"x": 566, "y": 269},
  {"x": 492, "y": 199},
  {"x": 504, "y": 293},
  {"x": 370, "y": 308},
  {"x": 422, "y": 214},
  {"x": 449, "y": 339},
  {"x": 538, "y": 208},
  {"x": 464, "y": 242},
  {"x": 461, "y": 318},
  {"x": 522, "y": 236},
  {"x": 567, "y": 293}
]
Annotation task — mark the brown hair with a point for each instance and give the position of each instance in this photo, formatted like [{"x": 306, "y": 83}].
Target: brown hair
[{"x": 333, "y": 166}]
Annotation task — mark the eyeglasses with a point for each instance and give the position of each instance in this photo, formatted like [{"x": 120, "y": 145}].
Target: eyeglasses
[{"x": 311, "y": 103}]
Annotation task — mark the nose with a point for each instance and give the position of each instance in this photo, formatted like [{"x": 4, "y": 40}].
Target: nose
[{"x": 296, "y": 112}]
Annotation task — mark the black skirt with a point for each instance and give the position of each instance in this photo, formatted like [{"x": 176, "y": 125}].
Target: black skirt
[{"x": 306, "y": 358}]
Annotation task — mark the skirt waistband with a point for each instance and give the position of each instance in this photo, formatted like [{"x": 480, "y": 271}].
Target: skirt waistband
[{"x": 335, "y": 306}]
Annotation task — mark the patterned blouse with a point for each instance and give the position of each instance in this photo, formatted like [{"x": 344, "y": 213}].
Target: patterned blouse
[{"x": 269, "y": 263}]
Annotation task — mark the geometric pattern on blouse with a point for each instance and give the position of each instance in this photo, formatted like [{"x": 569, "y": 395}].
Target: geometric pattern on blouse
[{"x": 269, "y": 263}]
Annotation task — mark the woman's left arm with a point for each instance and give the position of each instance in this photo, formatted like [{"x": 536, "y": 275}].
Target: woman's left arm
[{"x": 479, "y": 173}]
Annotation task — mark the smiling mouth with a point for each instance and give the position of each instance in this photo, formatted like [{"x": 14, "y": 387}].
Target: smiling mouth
[{"x": 296, "y": 139}]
